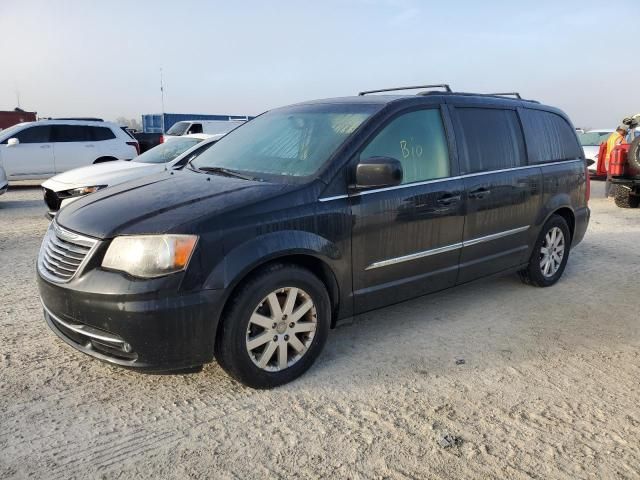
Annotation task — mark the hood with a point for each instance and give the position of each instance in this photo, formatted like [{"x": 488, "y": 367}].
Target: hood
[
  {"x": 591, "y": 152},
  {"x": 95, "y": 174},
  {"x": 161, "y": 203}
]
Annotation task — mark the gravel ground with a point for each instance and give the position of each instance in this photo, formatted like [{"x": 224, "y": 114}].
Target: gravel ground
[{"x": 548, "y": 388}]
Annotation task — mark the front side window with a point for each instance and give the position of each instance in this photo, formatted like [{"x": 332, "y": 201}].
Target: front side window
[
  {"x": 492, "y": 139},
  {"x": 38, "y": 134},
  {"x": 288, "y": 142},
  {"x": 550, "y": 138},
  {"x": 71, "y": 133},
  {"x": 417, "y": 139},
  {"x": 165, "y": 152}
]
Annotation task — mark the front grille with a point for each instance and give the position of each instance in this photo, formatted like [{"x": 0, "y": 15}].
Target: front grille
[
  {"x": 63, "y": 253},
  {"x": 52, "y": 200}
]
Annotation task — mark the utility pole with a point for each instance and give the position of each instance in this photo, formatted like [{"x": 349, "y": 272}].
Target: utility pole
[
  {"x": 162, "y": 99},
  {"x": 18, "y": 97}
]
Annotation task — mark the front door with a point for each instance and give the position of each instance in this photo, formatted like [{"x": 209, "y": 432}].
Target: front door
[
  {"x": 406, "y": 239},
  {"x": 32, "y": 157},
  {"x": 503, "y": 193}
]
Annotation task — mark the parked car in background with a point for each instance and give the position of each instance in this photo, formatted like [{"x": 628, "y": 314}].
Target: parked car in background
[
  {"x": 41, "y": 149},
  {"x": 4, "y": 183},
  {"x": 590, "y": 141},
  {"x": 69, "y": 186},
  {"x": 309, "y": 214},
  {"x": 211, "y": 127}
]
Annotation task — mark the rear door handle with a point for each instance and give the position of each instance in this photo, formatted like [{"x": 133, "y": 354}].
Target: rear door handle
[
  {"x": 45, "y": 146},
  {"x": 479, "y": 192},
  {"x": 89, "y": 146},
  {"x": 448, "y": 199}
]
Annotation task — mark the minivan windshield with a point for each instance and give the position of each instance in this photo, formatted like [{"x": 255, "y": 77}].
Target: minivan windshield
[
  {"x": 292, "y": 141},
  {"x": 179, "y": 128},
  {"x": 165, "y": 152}
]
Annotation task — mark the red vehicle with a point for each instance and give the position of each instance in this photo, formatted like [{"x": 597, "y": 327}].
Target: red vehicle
[
  {"x": 624, "y": 166},
  {"x": 13, "y": 117}
]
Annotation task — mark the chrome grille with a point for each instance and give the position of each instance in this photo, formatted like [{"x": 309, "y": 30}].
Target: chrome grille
[{"x": 63, "y": 253}]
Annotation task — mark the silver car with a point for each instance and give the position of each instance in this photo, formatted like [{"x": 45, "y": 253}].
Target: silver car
[{"x": 590, "y": 141}]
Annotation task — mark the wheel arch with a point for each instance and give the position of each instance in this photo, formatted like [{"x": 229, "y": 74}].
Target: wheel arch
[
  {"x": 304, "y": 249},
  {"x": 106, "y": 158}
]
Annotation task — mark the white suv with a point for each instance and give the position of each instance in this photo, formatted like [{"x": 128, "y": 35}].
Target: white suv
[{"x": 36, "y": 150}]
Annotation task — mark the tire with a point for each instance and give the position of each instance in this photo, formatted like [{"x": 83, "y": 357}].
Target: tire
[
  {"x": 633, "y": 157},
  {"x": 535, "y": 273},
  {"x": 624, "y": 197},
  {"x": 242, "y": 344}
]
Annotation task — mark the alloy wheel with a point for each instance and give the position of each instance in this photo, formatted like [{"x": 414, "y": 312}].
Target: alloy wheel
[
  {"x": 552, "y": 252},
  {"x": 281, "y": 329}
]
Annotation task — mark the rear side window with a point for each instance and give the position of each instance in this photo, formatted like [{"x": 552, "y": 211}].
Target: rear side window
[
  {"x": 417, "y": 139},
  {"x": 102, "y": 133},
  {"x": 492, "y": 139},
  {"x": 38, "y": 134},
  {"x": 71, "y": 133},
  {"x": 550, "y": 138}
]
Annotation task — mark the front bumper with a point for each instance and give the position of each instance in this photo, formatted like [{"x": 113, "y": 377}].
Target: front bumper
[{"x": 162, "y": 332}]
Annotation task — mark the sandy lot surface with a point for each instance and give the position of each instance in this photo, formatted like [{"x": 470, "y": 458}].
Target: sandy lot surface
[{"x": 550, "y": 387}]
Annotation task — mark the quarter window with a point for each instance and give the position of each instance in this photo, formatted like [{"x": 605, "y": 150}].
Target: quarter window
[
  {"x": 417, "y": 139},
  {"x": 38, "y": 134},
  {"x": 550, "y": 137},
  {"x": 102, "y": 133},
  {"x": 492, "y": 139}
]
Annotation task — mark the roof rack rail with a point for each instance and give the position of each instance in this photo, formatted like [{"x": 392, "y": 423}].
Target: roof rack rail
[
  {"x": 443, "y": 85},
  {"x": 83, "y": 119},
  {"x": 508, "y": 94}
]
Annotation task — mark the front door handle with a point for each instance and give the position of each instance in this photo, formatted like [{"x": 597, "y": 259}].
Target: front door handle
[
  {"x": 45, "y": 146},
  {"x": 448, "y": 199},
  {"x": 479, "y": 192}
]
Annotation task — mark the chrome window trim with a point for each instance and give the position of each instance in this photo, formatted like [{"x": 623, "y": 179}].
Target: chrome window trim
[
  {"x": 446, "y": 248},
  {"x": 458, "y": 177}
]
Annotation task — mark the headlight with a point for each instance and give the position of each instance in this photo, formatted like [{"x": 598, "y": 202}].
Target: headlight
[
  {"x": 78, "y": 192},
  {"x": 149, "y": 256}
]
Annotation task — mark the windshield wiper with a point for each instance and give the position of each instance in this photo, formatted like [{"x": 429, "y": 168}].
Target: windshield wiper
[{"x": 226, "y": 172}]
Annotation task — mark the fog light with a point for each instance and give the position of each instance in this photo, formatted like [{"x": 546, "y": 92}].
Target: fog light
[{"x": 126, "y": 347}]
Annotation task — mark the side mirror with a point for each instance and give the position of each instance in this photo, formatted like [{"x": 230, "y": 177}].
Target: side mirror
[
  {"x": 12, "y": 142},
  {"x": 378, "y": 172}
]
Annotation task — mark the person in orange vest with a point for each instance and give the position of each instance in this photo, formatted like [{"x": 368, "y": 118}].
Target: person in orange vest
[{"x": 616, "y": 138}]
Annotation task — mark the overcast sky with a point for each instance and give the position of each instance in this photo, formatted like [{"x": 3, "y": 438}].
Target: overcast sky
[{"x": 90, "y": 58}]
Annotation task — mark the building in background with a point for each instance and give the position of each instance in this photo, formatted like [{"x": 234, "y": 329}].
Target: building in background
[
  {"x": 9, "y": 118},
  {"x": 153, "y": 122}
]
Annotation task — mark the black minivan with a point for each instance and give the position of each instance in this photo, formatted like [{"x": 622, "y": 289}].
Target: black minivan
[{"x": 309, "y": 214}]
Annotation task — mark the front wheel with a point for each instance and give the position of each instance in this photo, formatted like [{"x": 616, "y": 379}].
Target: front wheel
[
  {"x": 550, "y": 254},
  {"x": 275, "y": 327}
]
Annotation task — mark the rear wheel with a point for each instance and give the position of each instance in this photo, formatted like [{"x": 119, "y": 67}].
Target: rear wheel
[
  {"x": 275, "y": 327},
  {"x": 550, "y": 254},
  {"x": 625, "y": 198},
  {"x": 633, "y": 157}
]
